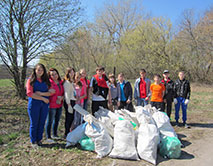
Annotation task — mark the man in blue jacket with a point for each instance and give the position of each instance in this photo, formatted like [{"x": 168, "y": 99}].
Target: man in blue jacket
[{"x": 142, "y": 89}]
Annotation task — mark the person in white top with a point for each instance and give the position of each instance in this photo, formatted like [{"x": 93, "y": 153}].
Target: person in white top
[
  {"x": 69, "y": 102},
  {"x": 99, "y": 89}
]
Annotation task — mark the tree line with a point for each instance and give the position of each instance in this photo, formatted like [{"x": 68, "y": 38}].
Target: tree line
[{"x": 122, "y": 36}]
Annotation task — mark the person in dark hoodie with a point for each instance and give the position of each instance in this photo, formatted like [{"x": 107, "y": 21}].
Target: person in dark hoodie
[
  {"x": 99, "y": 89},
  {"x": 182, "y": 92},
  {"x": 125, "y": 95},
  {"x": 169, "y": 93}
]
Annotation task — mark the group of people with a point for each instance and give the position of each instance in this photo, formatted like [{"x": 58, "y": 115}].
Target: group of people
[{"x": 48, "y": 93}]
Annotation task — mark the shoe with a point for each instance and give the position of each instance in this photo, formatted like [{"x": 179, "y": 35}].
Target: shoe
[
  {"x": 39, "y": 143},
  {"x": 177, "y": 124},
  {"x": 56, "y": 137},
  {"x": 34, "y": 145},
  {"x": 186, "y": 125},
  {"x": 49, "y": 140}
]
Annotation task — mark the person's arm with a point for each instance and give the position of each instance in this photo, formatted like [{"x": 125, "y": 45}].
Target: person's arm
[
  {"x": 149, "y": 90},
  {"x": 67, "y": 92},
  {"x": 49, "y": 93},
  {"x": 188, "y": 91},
  {"x": 135, "y": 90},
  {"x": 130, "y": 93}
]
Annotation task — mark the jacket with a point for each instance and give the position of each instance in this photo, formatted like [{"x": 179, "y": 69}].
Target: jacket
[
  {"x": 182, "y": 89},
  {"x": 169, "y": 92},
  {"x": 137, "y": 88},
  {"x": 58, "y": 92},
  {"x": 127, "y": 90}
]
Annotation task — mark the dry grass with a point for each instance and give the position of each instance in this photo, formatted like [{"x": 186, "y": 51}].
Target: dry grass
[{"x": 15, "y": 146}]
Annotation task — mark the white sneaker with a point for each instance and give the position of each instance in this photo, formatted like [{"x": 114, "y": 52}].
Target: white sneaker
[
  {"x": 56, "y": 137},
  {"x": 50, "y": 140}
]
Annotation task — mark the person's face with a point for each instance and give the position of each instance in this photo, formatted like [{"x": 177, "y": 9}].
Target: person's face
[
  {"x": 54, "y": 75},
  {"x": 99, "y": 72},
  {"x": 77, "y": 78},
  {"x": 181, "y": 75},
  {"x": 166, "y": 75},
  {"x": 71, "y": 73},
  {"x": 83, "y": 74},
  {"x": 142, "y": 74},
  {"x": 112, "y": 79},
  {"x": 120, "y": 78},
  {"x": 156, "y": 79},
  {"x": 39, "y": 71}
]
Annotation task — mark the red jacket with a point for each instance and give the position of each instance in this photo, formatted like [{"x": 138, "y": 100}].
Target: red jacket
[{"x": 58, "y": 92}]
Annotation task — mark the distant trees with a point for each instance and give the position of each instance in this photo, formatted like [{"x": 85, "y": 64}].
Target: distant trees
[
  {"x": 125, "y": 37},
  {"x": 29, "y": 28}
]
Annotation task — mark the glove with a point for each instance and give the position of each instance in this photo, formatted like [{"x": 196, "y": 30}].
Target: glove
[
  {"x": 175, "y": 101},
  {"x": 186, "y": 101},
  {"x": 70, "y": 109}
]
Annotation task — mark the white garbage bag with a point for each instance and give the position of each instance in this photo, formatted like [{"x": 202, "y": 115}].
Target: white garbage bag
[
  {"x": 148, "y": 139},
  {"x": 124, "y": 141},
  {"x": 163, "y": 123},
  {"x": 74, "y": 136},
  {"x": 101, "y": 138}
]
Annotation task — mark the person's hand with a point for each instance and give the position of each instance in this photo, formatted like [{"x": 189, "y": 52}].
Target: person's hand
[
  {"x": 70, "y": 109},
  {"x": 110, "y": 102},
  {"x": 128, "y": 101},
  {"x": 119, "y": 103},
  {"x": 147, "y": 98},
  {"x": 52, "y": 91},
  {"x": 175, "y": 101},
  {"x": 186, "y": 101},
  {"x": 164, "y": 100},
  {"x": 45, "y": 100},
  {"x": 38, "y": 93}
]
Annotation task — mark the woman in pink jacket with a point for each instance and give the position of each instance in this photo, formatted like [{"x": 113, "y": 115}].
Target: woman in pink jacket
[{"x": 55, "y": 107}]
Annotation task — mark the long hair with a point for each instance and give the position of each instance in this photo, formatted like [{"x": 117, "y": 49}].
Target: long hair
[
  {"x": 44, "y": 77},
  {"x": 54, "y": 69},
  {"x": 67, "y": 76},
  {"x": 113, "y": 76}
]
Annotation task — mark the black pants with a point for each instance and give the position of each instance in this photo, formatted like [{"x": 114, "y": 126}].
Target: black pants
[
  {"x": 158, "y": 105},
  {"x": 124, "y": 105},
  {"x": 68, "y": 117},
  {"x": 168, "y": 107},
  {"x": 96, "y": 104}
]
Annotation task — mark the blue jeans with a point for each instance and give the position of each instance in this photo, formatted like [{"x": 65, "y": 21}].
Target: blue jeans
[
  {"x": 181, "y": 103},
  {"x": 141, "y": 102},
  {"x": 53, "y": 118}
]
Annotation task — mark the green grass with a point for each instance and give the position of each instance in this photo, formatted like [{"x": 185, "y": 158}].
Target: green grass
[
  {"x": 6, "y": 83},
  {"x": 7, "y": 138}
]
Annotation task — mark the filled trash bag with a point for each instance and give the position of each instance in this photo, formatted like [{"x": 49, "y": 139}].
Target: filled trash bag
[
  {"x": 163, "y": 123},
  {"x": 101, "y": 138},
  {"x": 87, "y": 144},
  {"x": 170, "y": 147},
  {"x": 124, "y": 141},
  {"x": 74, "y": 136}
]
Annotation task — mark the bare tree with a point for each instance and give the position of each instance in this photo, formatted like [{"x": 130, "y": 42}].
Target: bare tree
[{"x": 29, "y": 28}]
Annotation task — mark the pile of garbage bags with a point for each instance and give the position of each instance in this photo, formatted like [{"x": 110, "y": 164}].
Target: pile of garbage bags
[{"x": 127, "y": 135}]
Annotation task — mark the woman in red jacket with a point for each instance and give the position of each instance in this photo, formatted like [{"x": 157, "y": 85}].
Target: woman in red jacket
[{"x": 55, "y": 107}]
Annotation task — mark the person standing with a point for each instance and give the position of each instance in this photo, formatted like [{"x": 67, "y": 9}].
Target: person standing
[
  {"x": 157, "y": 90},
  {"x": 85, "y": 82},
  {"x": 169, "y": 92},
  {"x": 38, "y": 91},
  {"x": 142, "y": 89},
  {"x": 56, "y": 102},
  {"x": 182, "y": 92},
  {"x": 69, "y": 103},
  {"x": 125, "y": 95},
  {"x": 99, "y": 89},
  {"x": 114, "y": 91}
]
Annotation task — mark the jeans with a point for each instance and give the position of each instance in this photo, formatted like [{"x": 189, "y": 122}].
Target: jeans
[
  {"x": 168, "y": 107},
  {"x": 85, "y": 104},
  {"x": 181, "y": 102},
  {"x": 141, "y": 102},
  {"x": 157, "y": 105},
  {"x": 53, "y": 118},
  {"x": 68, "y": 117}
]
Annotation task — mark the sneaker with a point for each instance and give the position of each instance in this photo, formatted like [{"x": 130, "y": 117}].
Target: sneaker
[
  {"x": 186, "y": 125},
  {"x": 56, "y": 137},
  {"x": 34, "y": 145},
  {"x": 50, "y": 140},
  {"x": 39, "y": 143},
  {"x": 177, "y": 124}
]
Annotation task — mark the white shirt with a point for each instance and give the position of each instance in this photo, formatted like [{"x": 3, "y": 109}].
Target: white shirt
[{"x": 69, "y": 91}]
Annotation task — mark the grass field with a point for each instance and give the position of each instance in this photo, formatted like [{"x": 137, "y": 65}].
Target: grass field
[{"x": 15, "y": 146}]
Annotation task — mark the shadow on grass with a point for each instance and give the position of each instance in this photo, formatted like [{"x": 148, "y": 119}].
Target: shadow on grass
[{"x": 203, "y": 125}]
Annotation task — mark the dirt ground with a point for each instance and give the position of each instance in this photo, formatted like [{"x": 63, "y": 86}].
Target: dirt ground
[{"x": 15, "y": 147}]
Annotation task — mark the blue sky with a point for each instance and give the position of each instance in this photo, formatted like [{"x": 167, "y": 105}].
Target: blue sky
[{"x": 171, "y": 9}]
